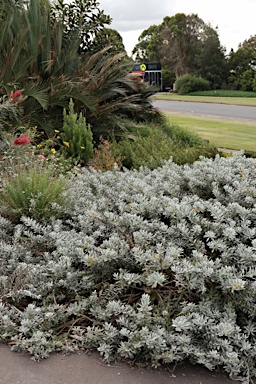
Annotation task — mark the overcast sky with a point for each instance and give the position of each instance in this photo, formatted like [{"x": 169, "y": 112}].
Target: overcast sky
[{"x": 235, "y": 19}]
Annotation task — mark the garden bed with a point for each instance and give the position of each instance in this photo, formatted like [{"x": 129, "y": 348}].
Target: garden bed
[{"x": 148, "y": 266}]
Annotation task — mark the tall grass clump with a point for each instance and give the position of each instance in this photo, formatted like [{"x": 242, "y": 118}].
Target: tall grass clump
[{"x": 33, "y": 192}]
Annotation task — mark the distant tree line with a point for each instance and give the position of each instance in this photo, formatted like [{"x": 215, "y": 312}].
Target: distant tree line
[{"x": 185, "y": 44}]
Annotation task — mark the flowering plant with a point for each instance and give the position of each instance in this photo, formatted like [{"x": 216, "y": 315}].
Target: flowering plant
[
  {"x": 103, "y": 157},
  {"x": 21, "y": 140},
  {"x": 15, "y": 95}
]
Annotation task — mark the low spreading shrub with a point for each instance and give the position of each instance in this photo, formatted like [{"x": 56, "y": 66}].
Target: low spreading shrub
[
  {"x": 152, "y": 145},
  {"x": 190, "y": 83},
  {"x": 151, "y": 266},
  {"x": 149, "y": 148},
  {"x": 182, "y": 137}
]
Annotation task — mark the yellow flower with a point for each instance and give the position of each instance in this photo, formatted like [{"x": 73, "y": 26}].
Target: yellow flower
[
  {"x": 82, "y": 147},
  {"x": 66, "y": 144},
  {"x": 56, "y": 130},
  {"x": 39, "y": 146},
  {"x": 90, "y": 263},
  {"x": 53, "y": 150}
]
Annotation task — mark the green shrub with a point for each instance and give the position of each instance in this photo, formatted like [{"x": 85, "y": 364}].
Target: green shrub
[
  {"x": 155, "y": 144},
  {"x": 150, "y": 148},
  {"x": 190, "y": 83},
  {"x": 168, "y": 78},
  {"x": 247, "y": 79},
  {"x": 191, "y": 154},
  {"x": 33, "y": 192},
  {"x": 250, "y": 154},
  {"x": 76, "y": 136},
  {"x": 181, "y": 136}
]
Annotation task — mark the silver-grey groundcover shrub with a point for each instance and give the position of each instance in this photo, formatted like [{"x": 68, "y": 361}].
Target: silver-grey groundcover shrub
[{"x": 151, "y": 266}]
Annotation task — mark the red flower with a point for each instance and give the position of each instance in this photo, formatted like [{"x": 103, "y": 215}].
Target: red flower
[
  {"x": 15, "y": 95},
  {"x": 22, "y": 139}
]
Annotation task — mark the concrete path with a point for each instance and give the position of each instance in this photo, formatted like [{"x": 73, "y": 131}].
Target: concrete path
[{"x": 88, "y": 368}]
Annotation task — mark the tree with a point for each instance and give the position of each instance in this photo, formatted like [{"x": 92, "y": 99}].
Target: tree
[
  {"x": 211, "y": 61},
  {"x": 242, "y": 65},
  {"x": 148, "y": 47},
  {"x": 191, "y": 46},
  {"x": 179, "y": 45},
  {"x": 80, "y": 16},
  {"x": 108, "y": 37}
]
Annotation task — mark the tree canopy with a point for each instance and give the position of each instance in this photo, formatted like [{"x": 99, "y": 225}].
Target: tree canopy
[
  {"x": 83, "y": 16},
  {"x": 242, "y": 66},
  {"x": 111, "y": 38}
]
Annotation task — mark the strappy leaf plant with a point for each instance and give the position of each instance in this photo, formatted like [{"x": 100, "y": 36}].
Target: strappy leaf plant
[{"x": 36, "y": 57}]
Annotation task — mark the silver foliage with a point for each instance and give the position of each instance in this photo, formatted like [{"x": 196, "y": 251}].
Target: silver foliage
[{"x": 154, "y": 266}]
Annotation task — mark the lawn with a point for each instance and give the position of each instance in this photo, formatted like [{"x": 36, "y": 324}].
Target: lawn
[
  {"x": 251, "y": 101},
  {"x": 221, "y": 133}
]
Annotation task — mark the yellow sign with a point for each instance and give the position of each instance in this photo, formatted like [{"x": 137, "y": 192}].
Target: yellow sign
[{"x": 143, "y": 67}]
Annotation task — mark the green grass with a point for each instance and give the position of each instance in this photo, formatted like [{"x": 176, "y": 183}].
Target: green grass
[
  {"x": 251, "y": 101},
  {"x": 224, "y": 93},
  {"x": 220, "y": 133}
]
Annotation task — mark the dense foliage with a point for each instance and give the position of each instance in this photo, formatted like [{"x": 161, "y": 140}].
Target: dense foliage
[
  {"x": 189, "y": 83},
  {"x": 38, "y": 59},
  {"x": 152, "y": 266},
  {"x": 242, "y": 66},
  {"x": 76, "y": 136},
  {"x": 151, "y": 145},
  {"x": 82, "y": 16}
]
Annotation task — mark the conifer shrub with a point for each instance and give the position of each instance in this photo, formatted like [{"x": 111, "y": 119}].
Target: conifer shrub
[
  {"x": 151, "y": 266},
  {"x": 76, "y": 136}
]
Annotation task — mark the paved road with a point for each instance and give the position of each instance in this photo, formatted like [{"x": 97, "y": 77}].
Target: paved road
[{"x": 221, "y": 111}]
